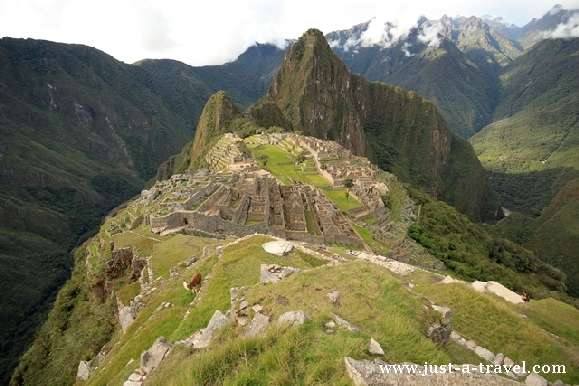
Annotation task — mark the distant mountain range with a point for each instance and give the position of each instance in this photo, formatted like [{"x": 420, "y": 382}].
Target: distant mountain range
[{"x": 83, "y": 132}]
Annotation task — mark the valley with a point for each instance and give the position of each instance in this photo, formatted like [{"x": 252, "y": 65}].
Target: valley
[{"x": 349, "y": 147}]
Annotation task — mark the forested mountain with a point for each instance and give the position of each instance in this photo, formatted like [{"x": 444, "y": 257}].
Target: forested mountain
[{"x": 83, "y": 132}]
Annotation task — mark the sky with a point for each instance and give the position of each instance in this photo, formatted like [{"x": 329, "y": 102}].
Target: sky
[{"x": 217, "y": 31}]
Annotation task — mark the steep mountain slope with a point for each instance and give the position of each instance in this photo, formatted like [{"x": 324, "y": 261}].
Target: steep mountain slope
[
  {"x": 246, "y": 79},
  {"x": 552, "y": 236},
  {"x": 452, "y": 62},
  {"x": 81, "y": 133},
  {"x": 400, "y": 130},
  {"x": 532, "y": 147},
  {"x": 127, "y": 290},
  {"x": 538, "y": 29}
]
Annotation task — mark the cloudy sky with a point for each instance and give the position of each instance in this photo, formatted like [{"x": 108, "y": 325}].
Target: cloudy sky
[{"x": 217, "y": 31}]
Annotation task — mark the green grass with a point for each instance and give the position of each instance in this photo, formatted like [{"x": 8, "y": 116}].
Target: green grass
[
  {"x": 491, "y": 322},
  {"x": 366, "y": 235},
  {"x": 554, "y": 316},
  {"x": 338, "y": 196},
  {"x": 376, "y": 303},
  {"x": 369, "y": 220},
  {"x": 282, "y": 166}
]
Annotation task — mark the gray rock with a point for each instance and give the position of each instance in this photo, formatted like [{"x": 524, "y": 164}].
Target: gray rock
[
  {"x": 134, "y": 377},
  {"x": 558, "y": 382},
  {"x": 375, "y": 348},
  {"x": 293, "y": 318},
  {"x": 153, "y": 356},
  {"x": 369, "y": 373},
  {"x": 273, "y": 273},
  {"x": 508, "y": 362},
  {"x": 217, "y": 322},
  {"x": 345, "y": 323},
  {"x": 499, "y": 359},
  {"x": 330, "y": 324},
  {"x": 243, "y": 305},
  {"x": 440, "y": 331},
  {"x": 455, "y": 335},
  {"x": 535, "y": 380},
  {"x": 233, "y": 293},
  {"x": 257, "y": 308},
  {"x": 484, "y": 353},
  {"x": 334, "y": 296},
  {"x": 470, "y": 344},
  {"x": 125, "y": 318},
  {"x": 132, "y": 383},
  {"x": 83, "y": 371},
  {"x": 258, "y": 326}
]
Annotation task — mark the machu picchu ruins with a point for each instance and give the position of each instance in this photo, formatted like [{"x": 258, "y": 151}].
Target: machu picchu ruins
[{"x": 234, "y": 196}]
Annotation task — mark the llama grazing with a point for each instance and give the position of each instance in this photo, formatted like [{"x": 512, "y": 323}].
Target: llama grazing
[{"x": 194, "y": 283}]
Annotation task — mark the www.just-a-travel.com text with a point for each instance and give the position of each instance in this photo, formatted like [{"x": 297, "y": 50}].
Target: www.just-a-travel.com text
[{"x": 428, "y": 369}]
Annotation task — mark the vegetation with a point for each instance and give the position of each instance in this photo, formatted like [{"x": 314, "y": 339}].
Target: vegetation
[
  {"x": 473, "y": 254},
  {"x": 493, "y": 324}
]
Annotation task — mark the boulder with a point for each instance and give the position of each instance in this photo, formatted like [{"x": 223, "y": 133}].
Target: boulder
[
  {"x": 293, "y": 318},
  {"x": 345, "y": 323},
  {"x": 484, "y": 353},
  {"x": 258, "y": 326},
  {"x": 480, "y": 286},
  {"x": 334, "y": 296},
  {"x": 470, "y": 344},
  {"x": 217, "y": 322},
  {"x": 375, "y": 348},
  {"x": 151, "y": 358},
  {"x": 500, "y": 290},
  {"x": 440, "y": 331},
  {"x": 83, "y": 371},
  {"x": 125, "y": 318},
  {"x": 279, "y": 248},
  {"x": 535, "y": 380},
  {"x": 273, "y": 273},
  {"x": 499, "y": 359}
]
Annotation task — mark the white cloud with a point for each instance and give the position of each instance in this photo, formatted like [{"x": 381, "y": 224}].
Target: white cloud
[
  {"x": 217, "y": 31},
  {"x": 429, "y": 34},
  {"x": 567, "y": 30}
]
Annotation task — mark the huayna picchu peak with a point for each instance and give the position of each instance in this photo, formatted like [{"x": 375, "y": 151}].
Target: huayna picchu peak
[{"x": 317, "y": 215}]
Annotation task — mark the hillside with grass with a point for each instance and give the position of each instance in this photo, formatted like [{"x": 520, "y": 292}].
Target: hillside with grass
[{"x": 381, "y": 297}]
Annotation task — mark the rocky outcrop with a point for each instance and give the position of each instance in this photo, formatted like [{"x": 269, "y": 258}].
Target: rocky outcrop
[{"x": 439, "y": 331}]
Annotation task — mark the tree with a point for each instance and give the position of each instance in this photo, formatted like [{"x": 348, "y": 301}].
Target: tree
[
  {"x": 347, "y": 194},
  {"x": 348, "y": 183},
  {"x": 264, "y": 158}
]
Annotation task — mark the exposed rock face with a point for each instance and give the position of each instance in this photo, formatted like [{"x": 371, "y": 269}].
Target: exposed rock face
[
  {"x": 400, "y": 130},
  {"x": 122, "y": 259},
  {"x": 440, "y": 331},
  {"x": 213, "y": 122},
  {"x": 218, "y": 321}
]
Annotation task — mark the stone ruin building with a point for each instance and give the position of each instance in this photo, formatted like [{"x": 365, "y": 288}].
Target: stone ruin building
[{"x": 248, "y": 203}]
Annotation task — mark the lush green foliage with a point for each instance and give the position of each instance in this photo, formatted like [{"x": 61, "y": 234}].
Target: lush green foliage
[
  {"x": 531, "y": 148},
  {"x": 473, "y": 254}
]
